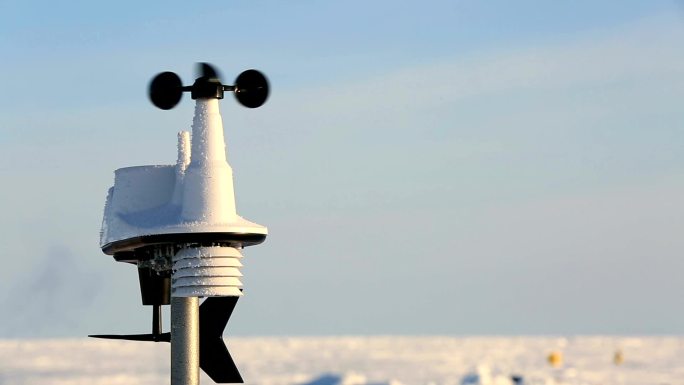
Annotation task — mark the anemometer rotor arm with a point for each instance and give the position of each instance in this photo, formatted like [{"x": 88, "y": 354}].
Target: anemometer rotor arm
[{"x": 251, "y": 87}]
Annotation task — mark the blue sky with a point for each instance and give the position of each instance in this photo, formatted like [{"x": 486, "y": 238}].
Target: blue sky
[{"x": 432, "y": 167}]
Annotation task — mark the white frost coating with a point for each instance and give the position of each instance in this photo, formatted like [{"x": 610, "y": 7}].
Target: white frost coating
[
  {"x": 207, "y": 252},
  {"x": 206, "y": 281},
  {"x": 207, "y": 291},
  {"x": 182, "y": 163},
  {"x": 206, "y": 272},
  {"x": 194, "y": 196},
  {"x": 208, "y": 195},
  {"x": 142, "y": 187},
  {"x": 104, "y": 232},
  {"x": 214, "y": 261},
  {"x": 183, "y": 151},
  {"x": 208, "y": 145}
]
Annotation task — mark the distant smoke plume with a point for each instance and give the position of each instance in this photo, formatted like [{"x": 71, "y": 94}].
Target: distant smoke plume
[{"x": 50, "y": 299}]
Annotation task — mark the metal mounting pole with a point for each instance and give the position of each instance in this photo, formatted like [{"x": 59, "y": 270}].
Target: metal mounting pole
[
  {"x": 184, "y": 341},
  {"x": 156, "y": 321}
]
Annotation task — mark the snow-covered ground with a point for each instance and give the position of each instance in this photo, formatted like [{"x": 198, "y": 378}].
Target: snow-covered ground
[{"x": 359, "y": 360}]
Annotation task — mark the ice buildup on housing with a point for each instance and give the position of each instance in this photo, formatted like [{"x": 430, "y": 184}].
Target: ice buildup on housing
[{"x": 186, "y": 210}]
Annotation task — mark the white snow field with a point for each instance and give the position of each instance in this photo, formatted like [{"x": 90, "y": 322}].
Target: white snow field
[{"x": 359, "y": 360}]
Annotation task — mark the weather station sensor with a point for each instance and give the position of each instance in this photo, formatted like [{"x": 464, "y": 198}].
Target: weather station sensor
[{"x": 179, "y": 225}]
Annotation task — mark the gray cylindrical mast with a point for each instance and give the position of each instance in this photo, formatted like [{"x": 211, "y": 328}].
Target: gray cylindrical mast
[{"x": 184, "y": 341}]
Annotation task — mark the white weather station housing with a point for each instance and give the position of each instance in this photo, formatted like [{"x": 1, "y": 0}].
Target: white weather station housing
[{"x": 179, "y": 225}]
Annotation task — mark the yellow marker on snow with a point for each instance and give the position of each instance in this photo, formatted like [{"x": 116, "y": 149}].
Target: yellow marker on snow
[
  {"x": 618, "y": 357},
  {"x": 555, "y": 359}
]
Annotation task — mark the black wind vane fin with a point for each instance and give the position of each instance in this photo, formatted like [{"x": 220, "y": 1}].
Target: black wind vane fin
[
  {"x": 214, "y": 357},
  {"x": 208, "y": 71}
]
